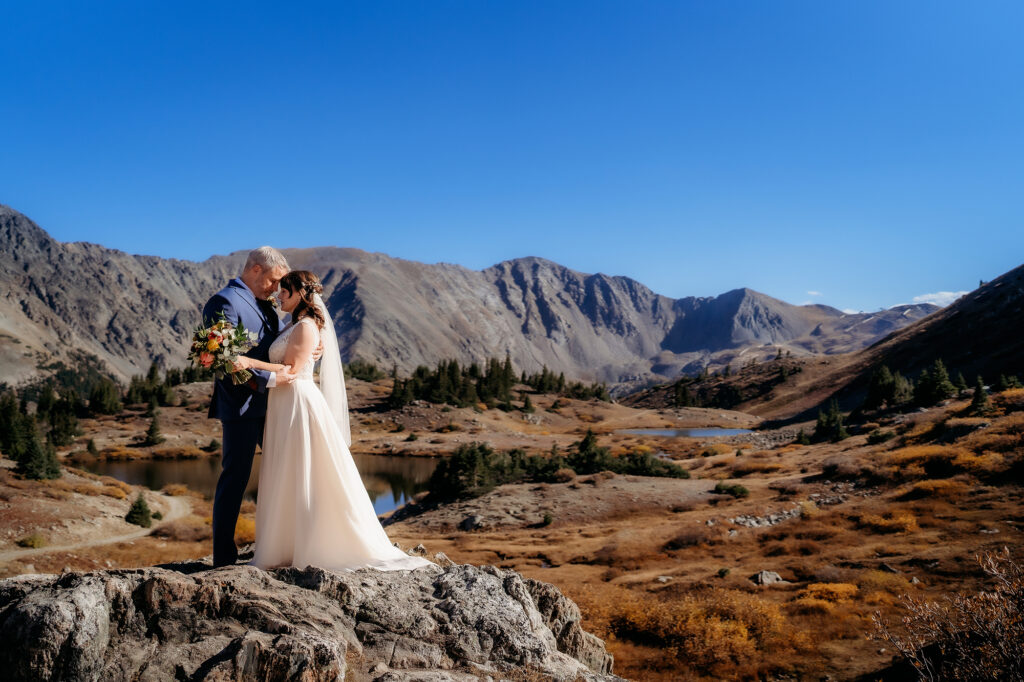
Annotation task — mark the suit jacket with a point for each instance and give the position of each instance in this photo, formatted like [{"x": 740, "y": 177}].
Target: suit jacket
[{"x": 245, "y": 401}]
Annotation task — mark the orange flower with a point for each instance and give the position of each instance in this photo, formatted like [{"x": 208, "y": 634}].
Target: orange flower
[
  {"x": 205, "y": 359},
  {"x": 212, "y": 345}
]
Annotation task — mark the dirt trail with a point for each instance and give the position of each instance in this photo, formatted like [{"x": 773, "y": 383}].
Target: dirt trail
[{"x": 177, "y": 508}]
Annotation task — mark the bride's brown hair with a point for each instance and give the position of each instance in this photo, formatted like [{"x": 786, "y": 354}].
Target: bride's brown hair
[{"x": 307, "y": 286}]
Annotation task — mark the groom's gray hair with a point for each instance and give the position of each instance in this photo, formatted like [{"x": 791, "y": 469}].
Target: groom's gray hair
[{"x": 267, "y": 257}]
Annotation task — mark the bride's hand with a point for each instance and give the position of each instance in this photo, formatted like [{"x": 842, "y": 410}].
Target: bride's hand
[{"x": 240, "y": 363}]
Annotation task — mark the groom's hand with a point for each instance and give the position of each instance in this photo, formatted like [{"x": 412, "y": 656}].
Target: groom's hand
[
  {"x": 285, "y": 376},
  {"x": 318, "y": 352}
]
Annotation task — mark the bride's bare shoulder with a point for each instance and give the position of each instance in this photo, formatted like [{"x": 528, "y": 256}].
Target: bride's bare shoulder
[{"x": 304, "y": 330}]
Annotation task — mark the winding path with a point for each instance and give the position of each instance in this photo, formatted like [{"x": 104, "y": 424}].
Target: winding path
[{"x": 178, "y": 507}]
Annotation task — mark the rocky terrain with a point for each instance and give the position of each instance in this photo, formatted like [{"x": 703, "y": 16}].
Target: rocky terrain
[
  {"x": 184, "y": 621},
  {"x": 128, "y": 310}
]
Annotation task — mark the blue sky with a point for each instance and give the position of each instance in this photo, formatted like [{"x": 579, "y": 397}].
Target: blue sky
[{"x": 869, "y": 152}]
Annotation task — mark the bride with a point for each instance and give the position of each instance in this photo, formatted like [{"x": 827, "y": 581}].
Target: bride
[{"x": 312, "y": 508}]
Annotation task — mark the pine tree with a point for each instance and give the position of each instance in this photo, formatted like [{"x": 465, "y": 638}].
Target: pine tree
[
  {"x": 139, "y": 513},
  {"x": 980, "y": 404},
  {"x": 153, "y": 435},
  {"x": 880, "y": 388},
  {"x": 105, "y": 398},
  {"x": 1002, "y": 384},
  {"x": 91, "y": 447},
  {"x": 830, "y": 424},
  {"x": 960, "y": 383},
  {"x": 39, "y": 461},
  {"x": 902, "y": 390},
  {"x": 527, "y": 404}
]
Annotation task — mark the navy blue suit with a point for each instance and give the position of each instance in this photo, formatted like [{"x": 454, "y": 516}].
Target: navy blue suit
[{"x": 241, "y": 410}]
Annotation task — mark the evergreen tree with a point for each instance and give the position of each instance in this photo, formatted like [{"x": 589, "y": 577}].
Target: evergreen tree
[
  {"x": 153, "y": 435},
  {"x": 589, "y": 458},
  {"x": 960, "y": 383},
  {"x": 934, "y": 386},
  {"x": 153, "y": 375},
  {"x": 527, "y": 404},
  {"x": 880, "y": 388},
  {"x": 105, "y": 398},
  {"x": 830, "y": 424},
  {"x": 980, "y": 404},
  {"x": 682, "y": 396},
  {"x": 139, "y": 513},
  {"x": 1002, "y": 384},
  {"x": 802, "y": 438},
  {"x": 91, "y": 447},
  {"x": 902, "y": 390},
  {"x": 39, "y": 460}
]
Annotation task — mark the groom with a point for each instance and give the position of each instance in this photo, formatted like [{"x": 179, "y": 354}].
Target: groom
[{"x": 242, "y": 409}]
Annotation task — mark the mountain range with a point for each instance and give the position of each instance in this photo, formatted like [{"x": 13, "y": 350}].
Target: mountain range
[{"x": 129, "y": 310}]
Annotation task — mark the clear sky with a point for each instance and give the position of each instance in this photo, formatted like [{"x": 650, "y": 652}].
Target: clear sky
[{"x": 854, "y": 153}]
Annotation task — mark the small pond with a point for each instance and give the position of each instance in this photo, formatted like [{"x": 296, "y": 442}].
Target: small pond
[{"x": 390, "y": 480}]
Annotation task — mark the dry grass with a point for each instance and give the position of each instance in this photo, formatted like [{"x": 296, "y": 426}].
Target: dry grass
[
  {"x": 943, "y": 488},
  {"x": 181, "y": 452},
  {"x": 889, "y": 522},
  {"x": 245, "y": 530},
  {"x": 830, "y": 592},
  {"x": 748, "y": 468},
  {"x": 1011, "y": 400},
  {"x": 187, "y": 529},
  {"x": 724, "y": 633}
]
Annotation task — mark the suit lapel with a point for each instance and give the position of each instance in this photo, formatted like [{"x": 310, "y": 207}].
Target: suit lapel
[{"x": 249, "y": 298}]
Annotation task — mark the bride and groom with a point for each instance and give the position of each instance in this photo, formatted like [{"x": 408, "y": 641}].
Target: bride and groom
[{"x": 312, "y": 508}]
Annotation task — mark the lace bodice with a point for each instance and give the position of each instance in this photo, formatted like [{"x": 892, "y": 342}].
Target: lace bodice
[{"x": 277, "y": 348}]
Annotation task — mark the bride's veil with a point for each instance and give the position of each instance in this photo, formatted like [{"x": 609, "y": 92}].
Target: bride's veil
[{"x": 332, "y": 375}]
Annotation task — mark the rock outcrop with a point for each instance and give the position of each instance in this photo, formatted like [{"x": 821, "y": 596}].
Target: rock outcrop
[
  {"x": 457, "y": 622},
  {"x": 129, "y": 310}
]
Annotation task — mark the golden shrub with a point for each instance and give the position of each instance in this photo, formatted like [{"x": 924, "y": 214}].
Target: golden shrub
[
  {"x": 981, "y": 464},
  {"x": 175, "y": 489},
  {"x": 890, "y": 522},
  {"x": 831, "y": 592},
  {"x": 181, "y": 452},
  {"x": 245, "y": 530},
  {"x": 875, "y": 581},
  {"x": 1010, "y": 400},
  {"x": 942, "y": 488},
  {"x": 809, "y": 606},
  {"x": 115, "y": 492}
]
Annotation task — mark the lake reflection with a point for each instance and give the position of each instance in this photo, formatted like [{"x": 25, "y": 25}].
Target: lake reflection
[
  {"x": 685, "y": 433},
  {"x": 390, "y": 480}
]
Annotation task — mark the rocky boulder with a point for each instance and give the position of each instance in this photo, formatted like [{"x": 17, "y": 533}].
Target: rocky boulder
[{"x": 186, "y": 622}]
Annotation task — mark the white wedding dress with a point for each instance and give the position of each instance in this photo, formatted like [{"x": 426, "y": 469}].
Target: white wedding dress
[{"x": 312, "y": 508}]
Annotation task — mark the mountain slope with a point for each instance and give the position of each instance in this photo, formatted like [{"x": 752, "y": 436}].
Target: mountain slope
[{"x": 129, "y": 310}]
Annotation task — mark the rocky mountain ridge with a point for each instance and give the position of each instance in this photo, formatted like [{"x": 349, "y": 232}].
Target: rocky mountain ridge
[{"x": 129, "y": 310}]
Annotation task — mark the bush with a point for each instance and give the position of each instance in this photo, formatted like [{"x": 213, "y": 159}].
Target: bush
[
  {"x": 966, "y": 637},
  {"x": 737, "y": 490},
  {"x": 412, "y": 437},
  {"x": 35, "y": 541},
  {"x": 188, "y": 529},
  {"x": 878, "y": 436},
  {"x": 890, "y": 522},
  {"x": 139, "y": 513},
  {"x": 548, "y": 519}
]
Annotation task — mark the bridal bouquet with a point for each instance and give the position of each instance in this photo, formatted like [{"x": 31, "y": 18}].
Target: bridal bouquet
[{"x": 216, "y": 347}]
